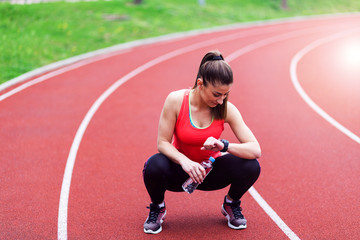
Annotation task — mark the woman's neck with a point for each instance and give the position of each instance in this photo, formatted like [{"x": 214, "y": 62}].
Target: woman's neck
[{"x": 197, "y": 101}]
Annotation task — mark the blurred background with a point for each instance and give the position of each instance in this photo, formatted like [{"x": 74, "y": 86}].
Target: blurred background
[{"x": 34, "y": 33}]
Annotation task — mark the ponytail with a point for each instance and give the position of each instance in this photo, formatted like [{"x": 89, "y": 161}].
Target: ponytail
[{"x": 214, "y": 70}]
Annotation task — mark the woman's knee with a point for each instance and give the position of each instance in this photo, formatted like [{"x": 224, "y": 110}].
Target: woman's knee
[
  {"x": 251, "y": 167},
  {"x": 155, "y": 165},
  {"x": 246, "y": 167}
]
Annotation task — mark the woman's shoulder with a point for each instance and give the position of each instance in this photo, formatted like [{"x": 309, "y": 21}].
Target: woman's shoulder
[
  {"x": 174, "y": 101},
  {"x": 176, "y": 96},
  {"x": 233, "y": 112},
  {"x": 230, "y": 105}
]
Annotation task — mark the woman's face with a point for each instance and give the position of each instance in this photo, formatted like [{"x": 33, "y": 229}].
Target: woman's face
[{"x": 215, "y": 94}]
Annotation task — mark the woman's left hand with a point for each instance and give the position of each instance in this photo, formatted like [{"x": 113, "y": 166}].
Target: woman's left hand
[{"x": 213, "y": 144}]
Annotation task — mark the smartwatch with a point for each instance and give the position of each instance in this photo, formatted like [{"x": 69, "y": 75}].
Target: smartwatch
[{"x": 226, "y": 145}]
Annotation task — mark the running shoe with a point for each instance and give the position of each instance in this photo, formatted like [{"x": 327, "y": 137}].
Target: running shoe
[
  {"x": 232, "y": 211},
  {"x": 155, "y": 219}
]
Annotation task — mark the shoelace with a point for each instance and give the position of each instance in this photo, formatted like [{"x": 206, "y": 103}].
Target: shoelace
[
  {"x": 153, "y": 215},
  {"x": 236, "y": 209}
]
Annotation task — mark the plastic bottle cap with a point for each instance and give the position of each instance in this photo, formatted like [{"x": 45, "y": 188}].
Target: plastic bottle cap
[{"x": 212, "y": 159}]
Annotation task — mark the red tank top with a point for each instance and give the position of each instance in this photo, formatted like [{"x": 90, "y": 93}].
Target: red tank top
[{"x": 189, "y": 139}]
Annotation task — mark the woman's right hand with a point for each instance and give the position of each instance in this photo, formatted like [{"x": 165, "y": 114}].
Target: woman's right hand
[{"x": 194, "y": 170}]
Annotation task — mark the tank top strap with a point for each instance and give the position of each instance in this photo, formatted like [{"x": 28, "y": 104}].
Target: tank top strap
[{"x": 184, "y": 110}]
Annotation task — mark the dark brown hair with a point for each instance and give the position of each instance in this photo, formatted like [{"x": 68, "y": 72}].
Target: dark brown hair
[{"x": 214, "y": 70}]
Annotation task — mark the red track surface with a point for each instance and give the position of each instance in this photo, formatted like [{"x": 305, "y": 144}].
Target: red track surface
[{"x": 310, "y": 170}]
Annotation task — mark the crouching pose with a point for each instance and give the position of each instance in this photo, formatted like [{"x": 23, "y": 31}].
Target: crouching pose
[{"x": 190, "y": 126}]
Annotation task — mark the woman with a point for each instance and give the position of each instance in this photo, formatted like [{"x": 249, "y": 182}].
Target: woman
[{"x": 190, "y": 126}]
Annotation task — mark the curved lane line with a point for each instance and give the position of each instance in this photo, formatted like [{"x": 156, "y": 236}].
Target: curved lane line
[
  {"x": 65, "y": 189},
  {"x": 267, "y": 41},
  {"x": 56, "y": 73},
  {"x": 302, "y": 93},
  {"x": 272, "y": 214}
]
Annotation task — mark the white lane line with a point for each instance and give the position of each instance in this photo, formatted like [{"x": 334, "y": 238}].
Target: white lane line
[
  {"x": 272, "y": 214},
  {"x": 267, "y": 41},
  {"x": 56, "y": 73},
  {"x": 64, "y": 196},
  {"x": 294, "y": 79}
]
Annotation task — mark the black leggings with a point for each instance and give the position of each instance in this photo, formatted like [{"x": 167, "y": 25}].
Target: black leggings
[{"x": 161, "y": 174}]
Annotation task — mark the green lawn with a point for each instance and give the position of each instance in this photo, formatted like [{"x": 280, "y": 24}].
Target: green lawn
[{"x": 38, "y": 34}]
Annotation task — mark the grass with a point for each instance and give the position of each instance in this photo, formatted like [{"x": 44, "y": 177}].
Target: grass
[{"x": 35, "y": 35}]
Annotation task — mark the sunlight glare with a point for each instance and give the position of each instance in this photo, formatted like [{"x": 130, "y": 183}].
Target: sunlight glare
[{"x": 351, "y": 54}]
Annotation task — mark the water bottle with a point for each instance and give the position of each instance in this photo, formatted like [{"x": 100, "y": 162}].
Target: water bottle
[{"x": 189, "y": 185}]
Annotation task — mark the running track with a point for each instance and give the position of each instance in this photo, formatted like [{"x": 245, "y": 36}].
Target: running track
[{"x": 74, "y": 144}]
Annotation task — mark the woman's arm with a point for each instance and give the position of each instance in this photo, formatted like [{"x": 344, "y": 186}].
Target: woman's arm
[{"x": 166, "y": 128}]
